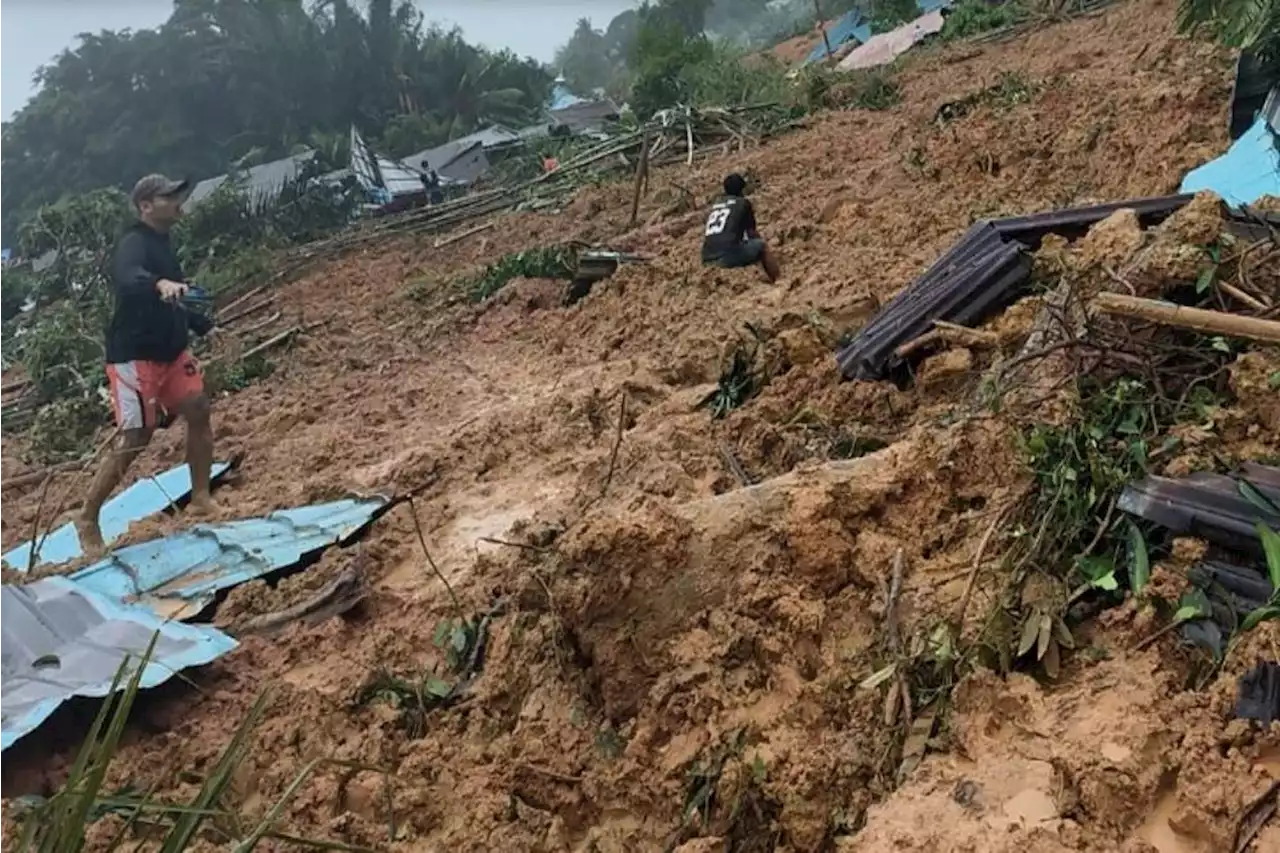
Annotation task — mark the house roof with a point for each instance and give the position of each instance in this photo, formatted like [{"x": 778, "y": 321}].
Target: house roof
[
  {"x": 587, "y": 115},
  {"x": 266, "y": 179}
]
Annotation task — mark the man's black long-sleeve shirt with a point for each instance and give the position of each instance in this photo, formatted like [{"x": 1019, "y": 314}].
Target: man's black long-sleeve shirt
[{"x": 143, "y": 326}]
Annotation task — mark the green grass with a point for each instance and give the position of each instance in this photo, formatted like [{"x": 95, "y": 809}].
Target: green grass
[{"x": 58, "y": 824}]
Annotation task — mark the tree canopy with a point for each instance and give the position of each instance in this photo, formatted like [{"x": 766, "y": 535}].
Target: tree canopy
[{"x": 247, "y": 81}]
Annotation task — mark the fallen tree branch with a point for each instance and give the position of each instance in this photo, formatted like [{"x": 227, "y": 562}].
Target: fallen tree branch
[
  {"x": 950, "y": 333},
  {"x": 252, "y": 309},
  {"x": 449, "y": 241},
  {"x": 1196, "y": 319},
  {"x": 335, "y": 598},
  {"x": 242, "y": 298}
]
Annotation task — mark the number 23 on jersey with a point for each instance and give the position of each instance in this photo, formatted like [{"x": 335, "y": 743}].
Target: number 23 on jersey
[{"x": 716, "y": 221}]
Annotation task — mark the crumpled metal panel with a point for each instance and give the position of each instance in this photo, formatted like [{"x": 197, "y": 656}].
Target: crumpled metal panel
[
  {"x": 146, "y": 497},
  {"x": 61, "y": 640},
  {"x": 976, "y": 278},
  {"x": 1206, "y": 505},
  {"x": 1075, "y": 222},
  {"x": 179, "y": 575}
]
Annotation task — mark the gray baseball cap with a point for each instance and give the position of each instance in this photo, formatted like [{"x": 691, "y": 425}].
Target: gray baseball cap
[{"x": 153, "y": 186}]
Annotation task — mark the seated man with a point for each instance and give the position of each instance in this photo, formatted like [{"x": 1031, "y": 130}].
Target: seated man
[{"x": 730, "y": 238}]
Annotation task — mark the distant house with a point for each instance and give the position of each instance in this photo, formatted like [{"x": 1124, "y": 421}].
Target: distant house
[
  {"x": 382, "y": 177},
  {"x": 262, "y": 182},
  {"x": 455, "y": 162},
  {"x": 585, "y": 116},
  {"x": 572, "y": 114},
  {"x": 463, "y": 160}
]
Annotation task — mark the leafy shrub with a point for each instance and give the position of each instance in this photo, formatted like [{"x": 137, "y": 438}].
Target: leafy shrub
[{"x": 971, "y": 17}]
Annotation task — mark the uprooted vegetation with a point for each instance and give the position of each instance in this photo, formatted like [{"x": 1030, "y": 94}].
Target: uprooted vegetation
[{"x": 858, "y": 616}]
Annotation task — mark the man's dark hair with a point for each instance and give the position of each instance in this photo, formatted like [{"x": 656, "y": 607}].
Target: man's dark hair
[{"x": 735, "y": 184}]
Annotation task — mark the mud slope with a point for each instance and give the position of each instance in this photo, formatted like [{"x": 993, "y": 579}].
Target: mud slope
[{"x": 661, "y": 613}]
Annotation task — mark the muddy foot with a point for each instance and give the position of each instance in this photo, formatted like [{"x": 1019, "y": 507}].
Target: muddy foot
[
  {"x": 203, "y": 507},
  {"x": 90, "y": 534}
]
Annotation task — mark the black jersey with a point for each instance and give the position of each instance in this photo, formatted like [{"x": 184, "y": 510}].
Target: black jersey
[{"x": 730, "y": 220}]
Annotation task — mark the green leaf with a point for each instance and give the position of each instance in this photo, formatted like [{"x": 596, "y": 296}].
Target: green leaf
[
  {"x": 1220, "y": 344},
  {"x": 1139, "y": 560},
  {"x": 1271, "y": 547},
  {"x": 1273, "y": 381},
  {"x": 1254, "y": 495},
  {"x": 1205, "y": 280},
  {"x": 1099, "y": 571},
  {"x": 1265, "y": 613},
  {"x": 461, "y": 638},
  {"x": 441, "y": 635},
  {"x": 1193, "y": 605},
  {"x": 437, "y": 688}
]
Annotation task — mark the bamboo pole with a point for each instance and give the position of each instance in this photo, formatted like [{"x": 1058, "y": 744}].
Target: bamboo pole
[
  {"x": 641, "y": 168},
  {"x": 817, "y": 10},
  {"x": 1196, "y": 319}
]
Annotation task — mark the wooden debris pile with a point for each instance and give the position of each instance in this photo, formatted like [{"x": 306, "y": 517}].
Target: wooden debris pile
[{"x": 681, "y": 134}]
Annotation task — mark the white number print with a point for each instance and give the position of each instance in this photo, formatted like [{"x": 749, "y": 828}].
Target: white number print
[{"x": 716, "y": 221}]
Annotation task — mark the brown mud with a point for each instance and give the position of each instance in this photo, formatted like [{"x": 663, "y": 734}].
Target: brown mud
[{"x": 657, "y": 611}]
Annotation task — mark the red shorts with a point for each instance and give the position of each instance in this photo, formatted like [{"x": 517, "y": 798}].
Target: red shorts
[{"x": 146, "y": 393}]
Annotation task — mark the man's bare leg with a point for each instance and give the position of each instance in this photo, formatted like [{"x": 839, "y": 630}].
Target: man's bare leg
[
  {"x": 110, "y": 473},
  {"x": 199, "y": 452},
  {"x": 769, "y": 261}
]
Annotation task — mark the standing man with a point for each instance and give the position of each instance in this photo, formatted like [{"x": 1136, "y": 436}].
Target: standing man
[
  {"x": 152, "y": 375},
  {"x": 730, "y": 238}
]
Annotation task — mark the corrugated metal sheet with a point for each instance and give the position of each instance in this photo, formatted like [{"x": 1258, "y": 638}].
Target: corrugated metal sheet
[
  {"x": 1251, "y": 167},
  {"x": 260, "y": 182},
  {"x": 146, "y": 497},
  {"x": 454, "y": 162},
  {"x": 60, "y": 641},
  {"x": 977, "y": 277},
  {"x": 884, "y": 48},
  {"x": 586, "y": 116},
  {"x": 179, "y": 575},
  {"x": 1075, "y": 222},
  {"x": 852, "y": 26},
  {"x": 1210, "y": 506}
]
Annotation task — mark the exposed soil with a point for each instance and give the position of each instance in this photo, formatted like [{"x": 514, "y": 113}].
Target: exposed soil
[{"x": 655, "y": 607}]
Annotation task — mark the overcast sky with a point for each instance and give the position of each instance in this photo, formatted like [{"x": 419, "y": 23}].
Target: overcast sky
[{"x": 33, "y": 31}]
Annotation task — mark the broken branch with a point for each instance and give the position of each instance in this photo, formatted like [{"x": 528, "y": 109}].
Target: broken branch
[{"x": 1196, "y": 319}]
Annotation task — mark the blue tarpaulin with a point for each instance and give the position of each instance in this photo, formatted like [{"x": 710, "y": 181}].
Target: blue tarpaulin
[
  {"x": 145, "y": 497},
  {"x": 1249, "y": 170},
  {"x": 179, "y": 575},
  {"x": 60, "y": 641}
]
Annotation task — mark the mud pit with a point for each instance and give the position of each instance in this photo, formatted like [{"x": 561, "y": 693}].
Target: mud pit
[{"x": 659, "y": 610}]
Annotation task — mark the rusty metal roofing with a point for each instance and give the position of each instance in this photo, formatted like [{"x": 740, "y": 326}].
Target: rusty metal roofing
[{"x": 979, "y": 276}]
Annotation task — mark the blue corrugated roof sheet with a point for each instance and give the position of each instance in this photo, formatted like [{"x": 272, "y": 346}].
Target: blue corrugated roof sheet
[
  {"x": 145, "y": 497},
  {"x": 60, "y": 640},
  {"x": 1251, "y": 167},
  {"x": 179, "y": 575},
  {"x": 851, "y": 26},
  {"x": 854, "y": 26}
]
